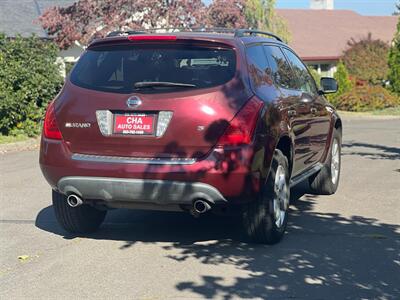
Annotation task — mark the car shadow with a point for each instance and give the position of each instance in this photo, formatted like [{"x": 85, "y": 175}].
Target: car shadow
[
  {"x": 131, "y": 226},
  {"x": 370, "y": 151},
  {"x": 325, "y": 256}
]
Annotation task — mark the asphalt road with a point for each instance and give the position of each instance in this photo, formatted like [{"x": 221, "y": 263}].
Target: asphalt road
[{"x": 345, "y": 246}]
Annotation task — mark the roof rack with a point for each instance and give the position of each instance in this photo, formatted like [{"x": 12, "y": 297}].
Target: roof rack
[
  {"x": 243, "y": 32},
  {"x": 122, "y": 33},
  {"x": 172, "y": 29},
  {"x": 235, "y": 32}
]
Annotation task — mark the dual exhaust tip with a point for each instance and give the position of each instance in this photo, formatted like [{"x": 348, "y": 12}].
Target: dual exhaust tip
[
  {"x": 74, "y": 200},
  {"x": 199, "y": 206}
]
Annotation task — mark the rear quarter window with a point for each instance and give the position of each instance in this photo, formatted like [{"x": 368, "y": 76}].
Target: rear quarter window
[
  {"x": 117, "y": 68},
  {"x": 258, "y": 67},
  {"x": 305, "y": 81},
  {"x": 281, "y": 71}
]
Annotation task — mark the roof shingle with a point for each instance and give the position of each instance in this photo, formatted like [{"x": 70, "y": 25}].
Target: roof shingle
[
  {"x": 323, "y": 34},
  {"x": 18, "y": 16}
]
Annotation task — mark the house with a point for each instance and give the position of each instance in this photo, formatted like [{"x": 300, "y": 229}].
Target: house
[
  {"x": 20, "y": 17},
  {"x": 321, "y": 4},
  {"x": 320, "y": 36}
]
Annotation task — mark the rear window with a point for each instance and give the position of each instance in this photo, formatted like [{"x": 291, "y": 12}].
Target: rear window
[{"x": 117, "y": 68}]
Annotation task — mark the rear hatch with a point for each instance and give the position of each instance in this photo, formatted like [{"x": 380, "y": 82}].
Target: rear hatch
[{"x": 150, "y": 98}]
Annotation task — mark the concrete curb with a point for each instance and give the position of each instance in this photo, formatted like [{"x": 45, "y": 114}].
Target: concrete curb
[{"x": 366, "y": 115}]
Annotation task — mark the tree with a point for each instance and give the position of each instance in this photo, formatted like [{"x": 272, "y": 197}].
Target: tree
[
  {"x": 366, "y": 60},
  {"x": 344, "y": 83},
  {"x": 397, "y": 11},
  {"x": 394, "y": 62},
  {"x": 227, "y": 14},
  {"x": 261, "y": 14},
  {"x": 29, "y": 79},
  {"x": 343, "y": 79},
  {"x": 87, "y": 19}
]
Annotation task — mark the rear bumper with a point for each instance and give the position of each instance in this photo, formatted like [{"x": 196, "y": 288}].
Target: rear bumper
[
  {"x": 226, "y": 174},
  {"x": 159, "y": 192}
]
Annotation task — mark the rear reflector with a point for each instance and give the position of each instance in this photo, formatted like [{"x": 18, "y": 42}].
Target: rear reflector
[
  {"x": 104, "y": 120},
  {"x": 242, "y": 127},
  {"x": 152, "y": 38},
  {"x": 164, "y": 117},
  {"x": 50, "y": 127}
]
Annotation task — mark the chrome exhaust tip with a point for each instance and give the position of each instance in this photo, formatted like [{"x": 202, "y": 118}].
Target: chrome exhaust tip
[
  {"x": 201, "y": 206},
  {"x": 74, "y": 200}
]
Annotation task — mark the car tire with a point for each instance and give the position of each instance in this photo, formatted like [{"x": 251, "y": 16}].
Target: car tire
[
  {"x": 80, "y": 219},
  {"x": 265, "y": 219},
  {"x": 326, "y": 181}
]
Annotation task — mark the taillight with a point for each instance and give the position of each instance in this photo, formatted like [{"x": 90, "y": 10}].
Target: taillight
[
  {"x": 50, "y": 128},
  {"x": 242, "y": 127},
  {"x": 152, "y": 37}
]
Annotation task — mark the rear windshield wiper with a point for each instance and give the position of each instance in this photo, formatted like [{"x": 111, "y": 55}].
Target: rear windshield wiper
[{"x": 150, "y": 84}]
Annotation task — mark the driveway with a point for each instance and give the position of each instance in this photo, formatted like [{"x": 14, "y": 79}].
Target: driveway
[{"x": 345, "y": 246}]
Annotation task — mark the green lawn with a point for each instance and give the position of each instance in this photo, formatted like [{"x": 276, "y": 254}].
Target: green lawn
[
  {"x": 4, "y": 139},
  {"x": 393, "y": 111}
]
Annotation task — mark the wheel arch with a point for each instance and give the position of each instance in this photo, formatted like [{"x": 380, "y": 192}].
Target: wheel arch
[
  {"x": 285, "y": 145},
  {"x": 338, "y": 124}
]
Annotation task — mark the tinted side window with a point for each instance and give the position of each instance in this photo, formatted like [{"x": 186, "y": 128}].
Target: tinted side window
[
  {"x": 280, "y": 69},
  {"x": 305, "y": 82},
  {"x": 258, "y": 66}
]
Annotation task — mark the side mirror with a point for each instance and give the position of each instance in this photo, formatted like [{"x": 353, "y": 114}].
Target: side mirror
[{"x": 328, "y": 85}]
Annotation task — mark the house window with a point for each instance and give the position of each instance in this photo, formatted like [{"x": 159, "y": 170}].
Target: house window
[{"x": 325, "y": 69}]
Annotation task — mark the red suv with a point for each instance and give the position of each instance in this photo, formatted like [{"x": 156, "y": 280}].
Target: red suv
[{"x": 189, "y": 121}]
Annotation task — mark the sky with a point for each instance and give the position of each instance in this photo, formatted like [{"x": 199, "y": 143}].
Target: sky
[{"x": 363, "y": 7}]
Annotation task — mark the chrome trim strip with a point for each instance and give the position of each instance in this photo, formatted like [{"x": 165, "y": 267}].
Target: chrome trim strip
[{"x": 132, "y": 160}]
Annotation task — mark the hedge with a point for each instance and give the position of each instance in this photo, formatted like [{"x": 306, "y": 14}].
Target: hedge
[
  {"x": 29, "y": 79},
  {"x": 367, "y": 98}
]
